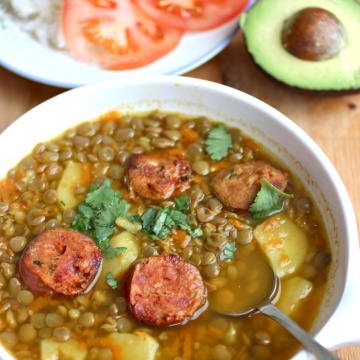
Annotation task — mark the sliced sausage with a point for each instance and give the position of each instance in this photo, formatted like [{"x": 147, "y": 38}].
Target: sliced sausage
[
  {"x": 237, "y": 187},
  {"x": 159, "y": 174},
  {"x": 165, "y": 290},
  {"x": 62, "y": 260}
]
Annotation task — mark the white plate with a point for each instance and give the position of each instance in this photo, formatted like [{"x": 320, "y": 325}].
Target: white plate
[{"x": 22, "y": 54}]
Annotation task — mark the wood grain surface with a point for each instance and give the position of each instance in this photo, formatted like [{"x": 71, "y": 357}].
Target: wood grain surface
[{"x": 333, "y": 122}]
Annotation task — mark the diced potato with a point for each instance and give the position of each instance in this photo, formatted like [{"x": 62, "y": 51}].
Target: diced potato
[
  {"x": 139, "y": 346},
  {"x": 69, "y": 350},
  {"x": 128, "y": 225},
  {"x": 122, "y": 263},
  {"x": 284, "y": 244},
  {"x": 71, "y": 178},
  {"x": 293, "y": 291}
]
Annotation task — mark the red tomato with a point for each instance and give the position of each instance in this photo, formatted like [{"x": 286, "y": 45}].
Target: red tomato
[
  {"x": 114, "y": 34},
  {"x": 192, "y": 14}
]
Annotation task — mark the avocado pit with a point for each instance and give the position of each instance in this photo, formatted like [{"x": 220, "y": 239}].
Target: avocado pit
[{"x": 313, "y": 34}]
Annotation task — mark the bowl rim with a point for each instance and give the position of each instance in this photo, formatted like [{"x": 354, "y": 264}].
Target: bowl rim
[{"x": 344, "y": 311}]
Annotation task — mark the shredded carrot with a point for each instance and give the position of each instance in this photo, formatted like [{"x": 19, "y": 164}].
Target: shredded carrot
[
  {"x": 82, "y": 345},
  {"x": 86, "y": 178},
  {"x": 236, "y": 223},
  {"x": 175, "y": 152},
  {"x": 114, "y": 146},
  {"x": 100, "y": 342},
  {"x": 215, "y": 332},
  {"x": 271, "y": 224},
  {"x": 220, "y": 165},
  {"x": 197, "y": 179},
  {"x": 188, "y": 344},
  {"x": 111, "y": 115},
  {"x": 189, "y": 135},
  {"x": 175, "y": 346},
  {"x": 116, "y": 352},
  {"x": 7, "y": 190},
  {"x": 181, "y": 238},
  {"x": 41, "y": 302},
  {"x": 250, "y": 144}
]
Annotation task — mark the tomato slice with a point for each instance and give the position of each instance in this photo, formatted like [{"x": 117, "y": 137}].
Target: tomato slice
[
  {"x": 114, "y": 34},
  {"x": 192, "y": 14}
]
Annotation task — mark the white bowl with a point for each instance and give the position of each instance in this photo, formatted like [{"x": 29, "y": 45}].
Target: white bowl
[{"x": 339, "y": 318}]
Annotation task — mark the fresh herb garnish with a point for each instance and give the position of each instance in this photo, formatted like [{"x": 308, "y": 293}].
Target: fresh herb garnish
[
  {"x": 96, "y": 217},
  {"x": 111, "y": 280},
  {"x": 218, "y": 142},
  {"x": 182, "y": 203},
  {"x": 157, "y": 223},
  {"x": 267, "y": 201},
  {"x": 230, "y": 250}
]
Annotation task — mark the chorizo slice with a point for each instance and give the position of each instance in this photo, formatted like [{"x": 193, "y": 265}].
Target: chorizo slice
[
  {"x": 62, "y": 260},
  {"x": 165, "y": 290},
  {"x": 159, "y": 174},
  {"x": 237, "y": 187}
]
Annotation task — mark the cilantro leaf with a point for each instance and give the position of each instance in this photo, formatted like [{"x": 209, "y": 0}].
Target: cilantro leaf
[
  {"x": 182, "y": 203},
  {"x": 111, "y": 280},
  {"x": 267, "y": 201},
  {"x": 230, "y": 250},
  {"x": 111, "y": 252},
  {"x": 157, "y": 223},
  {"x": 96, "y": 217},
  {"x": 218, "y": 142}
]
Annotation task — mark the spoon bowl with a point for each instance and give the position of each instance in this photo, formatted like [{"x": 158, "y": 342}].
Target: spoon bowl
[{"x": 266, "y": 306}]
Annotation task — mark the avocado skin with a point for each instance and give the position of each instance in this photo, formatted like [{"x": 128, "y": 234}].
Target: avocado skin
[{"x": 315, "y": 71}]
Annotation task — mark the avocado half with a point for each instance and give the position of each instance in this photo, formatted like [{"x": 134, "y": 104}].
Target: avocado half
[{"x": 264, "y": 26}]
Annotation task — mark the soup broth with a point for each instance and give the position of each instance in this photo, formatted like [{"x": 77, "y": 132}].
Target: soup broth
[{"x": 46, "y": 190}]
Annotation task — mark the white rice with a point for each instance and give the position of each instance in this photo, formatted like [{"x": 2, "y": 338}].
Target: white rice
[{"x": 40, "y": 18}]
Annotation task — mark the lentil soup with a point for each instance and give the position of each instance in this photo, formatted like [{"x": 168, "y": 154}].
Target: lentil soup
[{"x": 178, "y": 184}]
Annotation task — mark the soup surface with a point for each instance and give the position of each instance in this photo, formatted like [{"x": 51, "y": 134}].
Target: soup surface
[{"x": 183, "y": 212}]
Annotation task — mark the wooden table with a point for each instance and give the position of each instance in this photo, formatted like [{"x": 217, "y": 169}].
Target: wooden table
[{"x": 333, "y": 122}]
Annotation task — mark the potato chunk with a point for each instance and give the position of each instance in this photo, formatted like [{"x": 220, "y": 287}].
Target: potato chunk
[
  {"x": 70, "y": 350},
  {"x": 119, "y": 265},
  {"x": 284, "y": 244},
  {"x": 139, "y": 346},
  {"x": 293, "y": 291},
  {"x": 72, "y": 177}
]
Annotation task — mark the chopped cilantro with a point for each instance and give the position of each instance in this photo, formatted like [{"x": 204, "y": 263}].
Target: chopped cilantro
[
  {"x": 111, "y": 280},
  {"x": 267, "y": 201},
  {"x": 157, "y": 223},
  {"x": 96, "y": 217},
  {"x": 182, "y": 203},
  {"x": 230, "y": 250},
  {"x": 218, "y": 142}
]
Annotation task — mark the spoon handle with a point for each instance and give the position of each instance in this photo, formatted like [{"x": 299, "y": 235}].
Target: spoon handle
[{"x": 302, "y": 336}]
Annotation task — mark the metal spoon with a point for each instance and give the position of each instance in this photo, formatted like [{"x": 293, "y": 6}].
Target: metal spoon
[{"x": 267, "y": 308}]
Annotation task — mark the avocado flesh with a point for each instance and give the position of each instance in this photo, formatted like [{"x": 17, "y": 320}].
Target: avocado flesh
[{"x": 262, "y": 26}]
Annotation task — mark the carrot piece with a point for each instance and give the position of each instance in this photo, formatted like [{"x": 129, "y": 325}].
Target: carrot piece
[
  {"x": 100, "y": 342},
  {"x": 116, "y": 352},
  {"x": 197, "y": 179},
  {"x": 216, "y": 333},
  {"x": 175, "y": 152},
  {"x": 220, "y": 165},
  {"x": 188, "y": 344},
  {"x": 7, "y": 190},
  {"x": 189, "y": 135},
  {"x": 180, "y": 237},
  {"x": 111, "y": 115},
  {"x": 86, "y": 178},
  {"x": 250, "y": 144},
  {"x": 175, "y": 346},
  {"x": 41, "y": 302}
]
